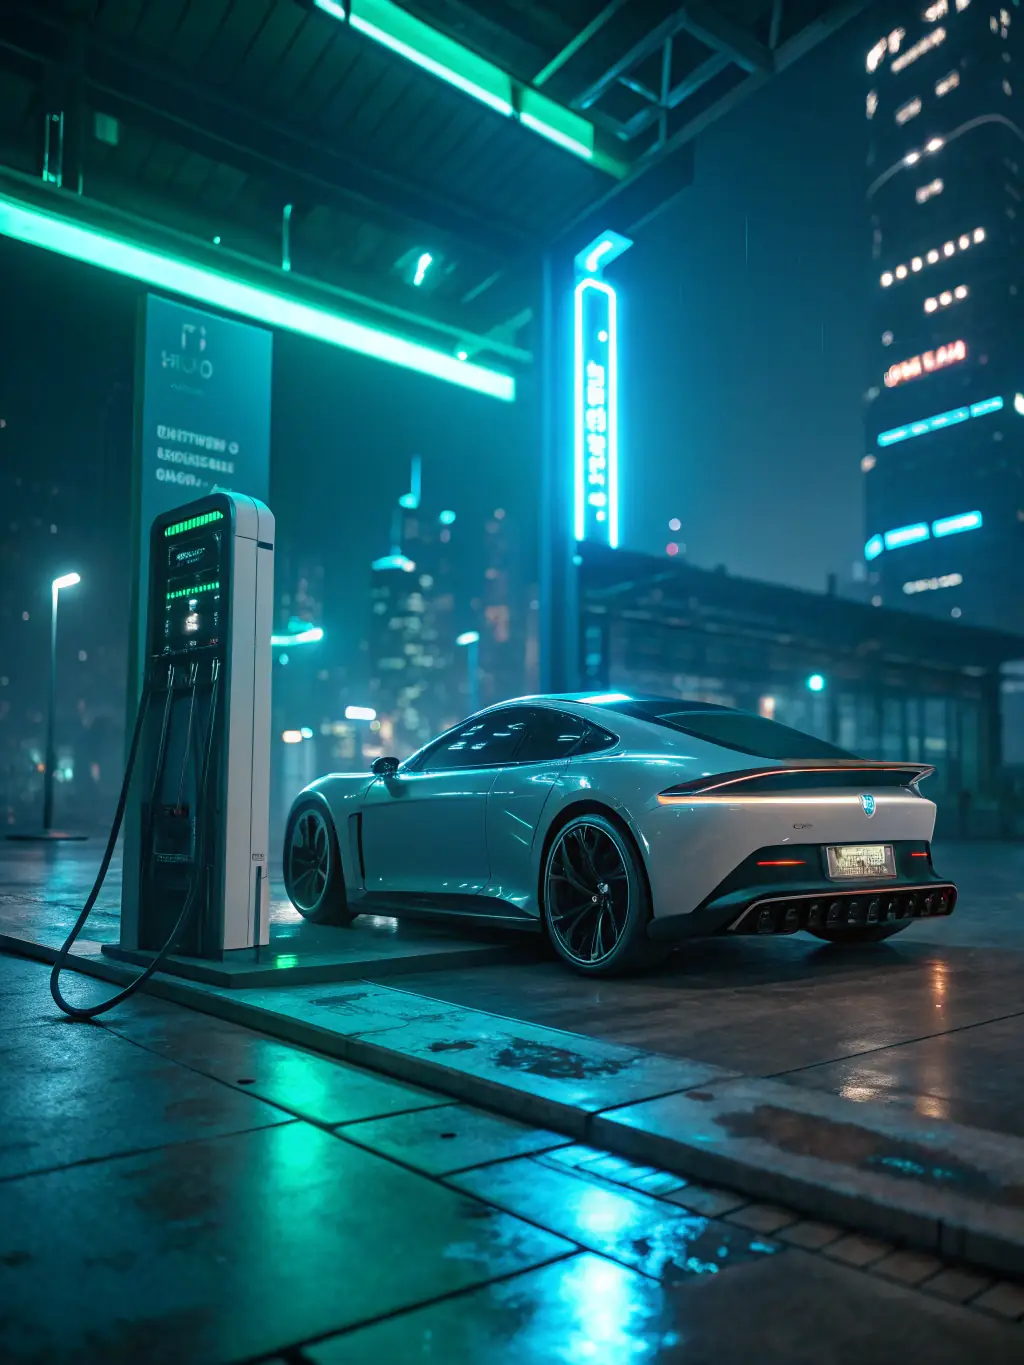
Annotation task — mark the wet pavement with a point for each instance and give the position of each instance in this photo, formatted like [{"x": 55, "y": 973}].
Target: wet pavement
[
  {"x": 177, "y": 1188},
  {"x": 931, "y": 1021}
]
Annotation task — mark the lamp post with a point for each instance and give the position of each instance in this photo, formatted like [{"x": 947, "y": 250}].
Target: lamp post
[
  {"x": 68, "y": 580},
  {"x": 470, "y": 641}
]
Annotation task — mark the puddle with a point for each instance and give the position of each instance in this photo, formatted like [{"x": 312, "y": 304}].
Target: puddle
[
  {"x": 851, "y": 1145},
  {"x": 556, "y": 1063}
]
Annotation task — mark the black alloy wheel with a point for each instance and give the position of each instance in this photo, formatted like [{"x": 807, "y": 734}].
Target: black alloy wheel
[
  {"x": 313, "y": 875},
  {"x": 596, "y": 904}
]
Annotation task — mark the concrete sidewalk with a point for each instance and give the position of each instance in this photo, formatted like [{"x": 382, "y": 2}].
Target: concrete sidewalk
[{"x": 176, "y": 1187}]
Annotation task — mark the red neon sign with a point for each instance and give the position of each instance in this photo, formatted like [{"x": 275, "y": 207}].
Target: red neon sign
[{"x": 917, "y": 365}]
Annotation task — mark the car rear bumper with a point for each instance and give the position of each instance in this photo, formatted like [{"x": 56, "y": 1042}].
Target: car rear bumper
[{"x": 758, "y": 898}]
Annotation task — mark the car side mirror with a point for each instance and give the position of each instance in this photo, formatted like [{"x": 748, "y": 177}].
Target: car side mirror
[{"x": 384, "y": 767}]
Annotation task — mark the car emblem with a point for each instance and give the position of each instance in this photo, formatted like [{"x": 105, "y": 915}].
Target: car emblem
[{"x": 868, "y": 802}]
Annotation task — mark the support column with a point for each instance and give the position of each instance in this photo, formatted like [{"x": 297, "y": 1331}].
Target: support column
[{"x": 559, "y": 623}]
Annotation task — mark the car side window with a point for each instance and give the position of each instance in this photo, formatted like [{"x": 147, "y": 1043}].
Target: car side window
[
  {"x": 484, "y": 742},
  {"x": 596, "y": 740},
  {"x": 550, "y": 735}
]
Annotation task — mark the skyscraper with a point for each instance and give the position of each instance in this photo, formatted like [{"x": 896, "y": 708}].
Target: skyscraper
[{"x": 944, "y": 459}]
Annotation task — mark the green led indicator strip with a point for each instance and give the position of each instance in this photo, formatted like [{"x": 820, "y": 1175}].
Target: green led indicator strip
[
  {"x": 193, "y": 522},
  {"x": 193, "y": 592}
]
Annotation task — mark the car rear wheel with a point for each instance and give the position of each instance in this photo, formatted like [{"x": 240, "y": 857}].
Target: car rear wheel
[
  {"x": 313, "y": 875},
  {"x": 858, "y": 933},
  {"x": 596, "y": 904}
]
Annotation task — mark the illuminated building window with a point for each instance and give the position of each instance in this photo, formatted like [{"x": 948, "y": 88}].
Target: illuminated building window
[
  {"x": 923, "y": 45},
  {"x": 932, "y": 257},
  {"x": 925, "y": 192},
  {"x": 895, "y": 38},
  {"x": 936, "y": 10},
  {"x": 927, "y": 363},
  {"x": 867, "y": 464},
  {"x": 907, "y": 111},
  {"x": 876, "y": 54},
  {"x": 939, "y": 421},
  {"x": 905, "y": 535},
  {"x": 947, "y": 83},
  {"x": 952, "y": 526},
  {"x": 947, "y": 580},
  {"x": 871, "y": 103},
  {"x": 961, "y": 5}
]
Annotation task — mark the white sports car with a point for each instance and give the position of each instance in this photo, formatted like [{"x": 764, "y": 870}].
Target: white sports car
[{"x": 619, "y": 826}]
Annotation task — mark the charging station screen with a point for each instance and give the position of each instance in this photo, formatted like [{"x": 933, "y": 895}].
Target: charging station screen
[{"x": 192, "y": 592}]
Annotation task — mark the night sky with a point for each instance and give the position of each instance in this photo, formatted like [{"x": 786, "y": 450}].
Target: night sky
[{"x": 743, "y": 370}]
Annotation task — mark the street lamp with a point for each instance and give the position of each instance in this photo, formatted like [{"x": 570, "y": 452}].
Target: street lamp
[
  {"x": 67, "y": 580},
  {"x": 470, "y": 641}
]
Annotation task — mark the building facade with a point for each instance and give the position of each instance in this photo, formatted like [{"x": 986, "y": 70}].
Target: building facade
[
  {"x": 944, "y": 460},
  {"x": 879, "y": 683}
]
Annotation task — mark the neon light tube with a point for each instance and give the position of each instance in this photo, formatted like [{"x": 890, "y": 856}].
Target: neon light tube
[
  {"x": 940, "y": 420},
  {"x": 906, "y": 535},
  {"x": 596, "y": 402},
  {"x": 874, "y": 547},
  {"x": 37, "y": 227},
  {"x": 434, "y": 52},
  {"x": 302, "y": 637},
  {"x": 951, "y": 526}
]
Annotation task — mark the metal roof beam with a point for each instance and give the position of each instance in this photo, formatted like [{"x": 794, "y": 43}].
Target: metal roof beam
[
  {"x": 179, "y": 103},
  {"x": 582, "y": 38},
  {"x": 636, "y": 54},
  {"x": 724, "y": 36}
]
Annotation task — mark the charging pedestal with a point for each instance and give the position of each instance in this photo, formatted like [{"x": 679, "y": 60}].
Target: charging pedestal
[{"x": 196, "y": 830}]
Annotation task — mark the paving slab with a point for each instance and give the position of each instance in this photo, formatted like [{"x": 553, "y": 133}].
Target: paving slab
[
  {"x": 73, "y": 1092},
  {"x": 453, "y": 1138},
  {"x": 318, "y": 1088},
  {"x": 236, "y": 1248},
  {"x": 793, "y": 1309},
  {"x": 652, "y": 1236},
  {"x": 936, "y": 1186}
]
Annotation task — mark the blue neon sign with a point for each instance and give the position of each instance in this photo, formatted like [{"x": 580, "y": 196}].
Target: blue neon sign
[
  {"x": 911, "y": 535},
  {"x": 596, "y": 437},
  {"x": 938, "y": 421}
]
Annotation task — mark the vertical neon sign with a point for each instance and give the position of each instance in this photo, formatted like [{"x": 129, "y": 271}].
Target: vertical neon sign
[{"x": 595, "y": 323}]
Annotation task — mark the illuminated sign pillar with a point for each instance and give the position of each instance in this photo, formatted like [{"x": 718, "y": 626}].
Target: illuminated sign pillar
[{"x": 596, "y": 394}]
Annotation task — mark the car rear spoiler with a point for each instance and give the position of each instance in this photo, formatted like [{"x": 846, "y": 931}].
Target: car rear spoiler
[{"x": 835, "y": 773}]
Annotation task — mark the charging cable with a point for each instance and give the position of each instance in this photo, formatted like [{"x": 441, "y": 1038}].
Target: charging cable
[{"x": 192, "y": 895}]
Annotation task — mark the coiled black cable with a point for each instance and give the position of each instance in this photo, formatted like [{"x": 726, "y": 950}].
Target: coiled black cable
[{"x": 84, "y": 1013}]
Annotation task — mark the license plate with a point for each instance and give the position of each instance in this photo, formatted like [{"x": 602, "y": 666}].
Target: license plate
[{"x": 860, "y": 861}]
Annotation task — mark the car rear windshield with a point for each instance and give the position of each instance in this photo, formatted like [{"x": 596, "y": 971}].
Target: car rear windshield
[{"x": 739, "y": 730}]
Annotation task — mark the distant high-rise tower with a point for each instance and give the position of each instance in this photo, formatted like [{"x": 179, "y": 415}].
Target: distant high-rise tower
[{"x": 944, "y": 462}]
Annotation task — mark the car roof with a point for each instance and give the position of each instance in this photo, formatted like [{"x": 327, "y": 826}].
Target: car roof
[{"x": 609, "y": 699}]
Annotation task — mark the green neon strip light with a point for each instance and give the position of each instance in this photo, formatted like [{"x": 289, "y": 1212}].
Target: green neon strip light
[
  {"x": 192, "y": 592},
  {"x": 212, "y": 287},
  {"x": 394, "y": 28},
  {"x": 192, "y": 522}
]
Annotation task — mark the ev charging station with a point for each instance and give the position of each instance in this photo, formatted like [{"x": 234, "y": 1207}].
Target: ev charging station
[{"x": 196, "y": 792}]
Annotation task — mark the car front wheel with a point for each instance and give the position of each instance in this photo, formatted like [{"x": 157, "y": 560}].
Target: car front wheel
[
  {"x": 313, "y": 875},
  {"x": 596, "y": 904}
]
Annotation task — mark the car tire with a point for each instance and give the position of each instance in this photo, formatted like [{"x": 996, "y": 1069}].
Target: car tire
[
  {"x": 313, "y": 875},
  {"x": 595, "y": 899},
  {"x": 858, "y": 933}
]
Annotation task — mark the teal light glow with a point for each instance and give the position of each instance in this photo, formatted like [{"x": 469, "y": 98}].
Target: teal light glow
[
  {"x": 394, "y": 561},
  {"x": 67, "y": 580},
  {"x": 906, "y": 535},
  {"x": 214, "y": 288},
  {"x": 360, "y": 713},
  {"x": 446, "y": 518},
  {"x": 816, "y": 682},
  {"x": 951, "y": 526},
  {"x": 874, "y": 547},
  {"x": 468, "y": 637},
  {"x": 422, "y": 266},
  {"x": 312, "y": 636},
  {"x": 596, "y": 402},
  {"x": 192, "y": 522},
  {"x": 408, "y": 37},
  {"x": 193, "y": 592},
  {"x": 602, "y": 698},
  {"x": 941, "y": 419}
]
